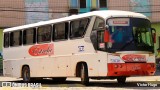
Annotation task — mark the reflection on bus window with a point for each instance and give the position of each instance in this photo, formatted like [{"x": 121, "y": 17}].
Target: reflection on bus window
[
  {"x": 60, "y": 31},
  {"x": 16, "y": 38},
  {"x": 44, "y": 33},
  {"x": 120, "y": 34},
  {"x": 100, "y": 37},
  {"x": 142, "y": 35},
  {"x": 6, "y": 40},
  {"x": 29, "y": 36},
  {"x": 78, "y": 27},
  {"x": 99, "y": 24}
]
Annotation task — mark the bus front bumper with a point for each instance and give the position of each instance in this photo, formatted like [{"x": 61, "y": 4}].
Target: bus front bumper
[{"x": 131, "y": 69}]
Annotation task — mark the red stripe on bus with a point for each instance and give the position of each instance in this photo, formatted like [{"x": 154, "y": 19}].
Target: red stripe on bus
[{"x": 131, "y": 69}]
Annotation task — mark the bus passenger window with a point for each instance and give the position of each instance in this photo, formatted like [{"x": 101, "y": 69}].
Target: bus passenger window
[
  {"x": 78, "y": 27},
  {"x": 29, "y": 36},
  {"x": 44, "y": 33},
  {"x": 16, "y": 38},
  {"x": 99, "y": 24},
  {"x": 6, "y": 40},
  {"x": 60, "y": 31}
]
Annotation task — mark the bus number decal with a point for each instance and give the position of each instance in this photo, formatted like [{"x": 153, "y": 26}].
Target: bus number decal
[
  {"x": 81, "y": 48},
  {"x": 41, "y": 50}
]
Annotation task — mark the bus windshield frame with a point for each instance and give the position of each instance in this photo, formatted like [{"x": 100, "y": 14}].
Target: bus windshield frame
[{"x": 130, "y": 34}]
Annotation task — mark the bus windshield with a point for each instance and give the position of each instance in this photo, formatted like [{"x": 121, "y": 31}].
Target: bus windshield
[{"x": 128, "y": 34}]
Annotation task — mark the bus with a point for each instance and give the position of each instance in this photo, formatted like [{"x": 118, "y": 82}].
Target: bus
[{"x": 107, "y": 44}]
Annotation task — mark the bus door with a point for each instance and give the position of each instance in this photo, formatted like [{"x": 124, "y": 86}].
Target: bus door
[{"x": 98, "y": 40}]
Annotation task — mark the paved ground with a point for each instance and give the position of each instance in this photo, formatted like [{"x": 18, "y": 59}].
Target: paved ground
[
  {"x": 149, "y": 82},
  {"x": 132, "y": 83}
]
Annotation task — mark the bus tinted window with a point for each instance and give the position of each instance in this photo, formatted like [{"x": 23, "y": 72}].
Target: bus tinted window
[
  {"x": 16, "y": 38},
  {"x": 100, "y": 37},
  {"x": 97, "y": 35},
  {"x": 6, "y": 40},
  {"x": 29, "y": 36},
  {"x": 60, "y": 31},
  {"x": 44, "y": 33},
  {"x": 78, "y": 27},
  {"x": 99, "y": 24}
]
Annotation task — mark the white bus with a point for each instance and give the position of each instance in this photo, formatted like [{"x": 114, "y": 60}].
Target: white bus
[{"x": 105, "y": 44}]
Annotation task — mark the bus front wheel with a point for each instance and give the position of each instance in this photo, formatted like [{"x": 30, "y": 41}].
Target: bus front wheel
[
  {"x": 26, "y": 74},
  {"x": 121, "y": 80},
  {"x": 84, "y": 74}
]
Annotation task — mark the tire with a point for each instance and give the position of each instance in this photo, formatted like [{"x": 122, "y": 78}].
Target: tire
[
  {"x": 26, "y": 74},
  {"x": 59, "y": 79},
  {"x": 121, "y": 80},
  {"x": 84, "y": 74}
]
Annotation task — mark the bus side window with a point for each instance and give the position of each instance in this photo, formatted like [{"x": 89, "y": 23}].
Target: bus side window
[
  {"x": 16, "y": 38},
  {"x": 60, "y": 31},
  {"x": 97, "y": 34},
  {"x": 78, "y": 27},
  {"x": 100, "y": 37},
  {"x": 44, "y": 34},
  {"x": 99, "y": 24},
  {"x": 6, "y": 40},
  {"x": 29, "y": 36}
]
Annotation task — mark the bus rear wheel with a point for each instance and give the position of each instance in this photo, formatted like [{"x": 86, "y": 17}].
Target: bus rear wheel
[
  {"x": 84, "y": 74},
  {"x": 26, "y": 74},
  {"x": 121, "y": 80}
]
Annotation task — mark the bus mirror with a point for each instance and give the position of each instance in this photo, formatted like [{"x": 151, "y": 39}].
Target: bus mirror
[
  {"x": 106, "y": 36},
  {"x": 154, "y": 34}
]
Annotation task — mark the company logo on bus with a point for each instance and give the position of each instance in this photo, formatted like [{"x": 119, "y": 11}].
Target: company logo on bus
[
  {"x": 134, "y": 58},
  {"x": 41, "y": 50}
]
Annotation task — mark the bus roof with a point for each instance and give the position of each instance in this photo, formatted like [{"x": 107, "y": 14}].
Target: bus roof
[{"x": 103, "y": 13}]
